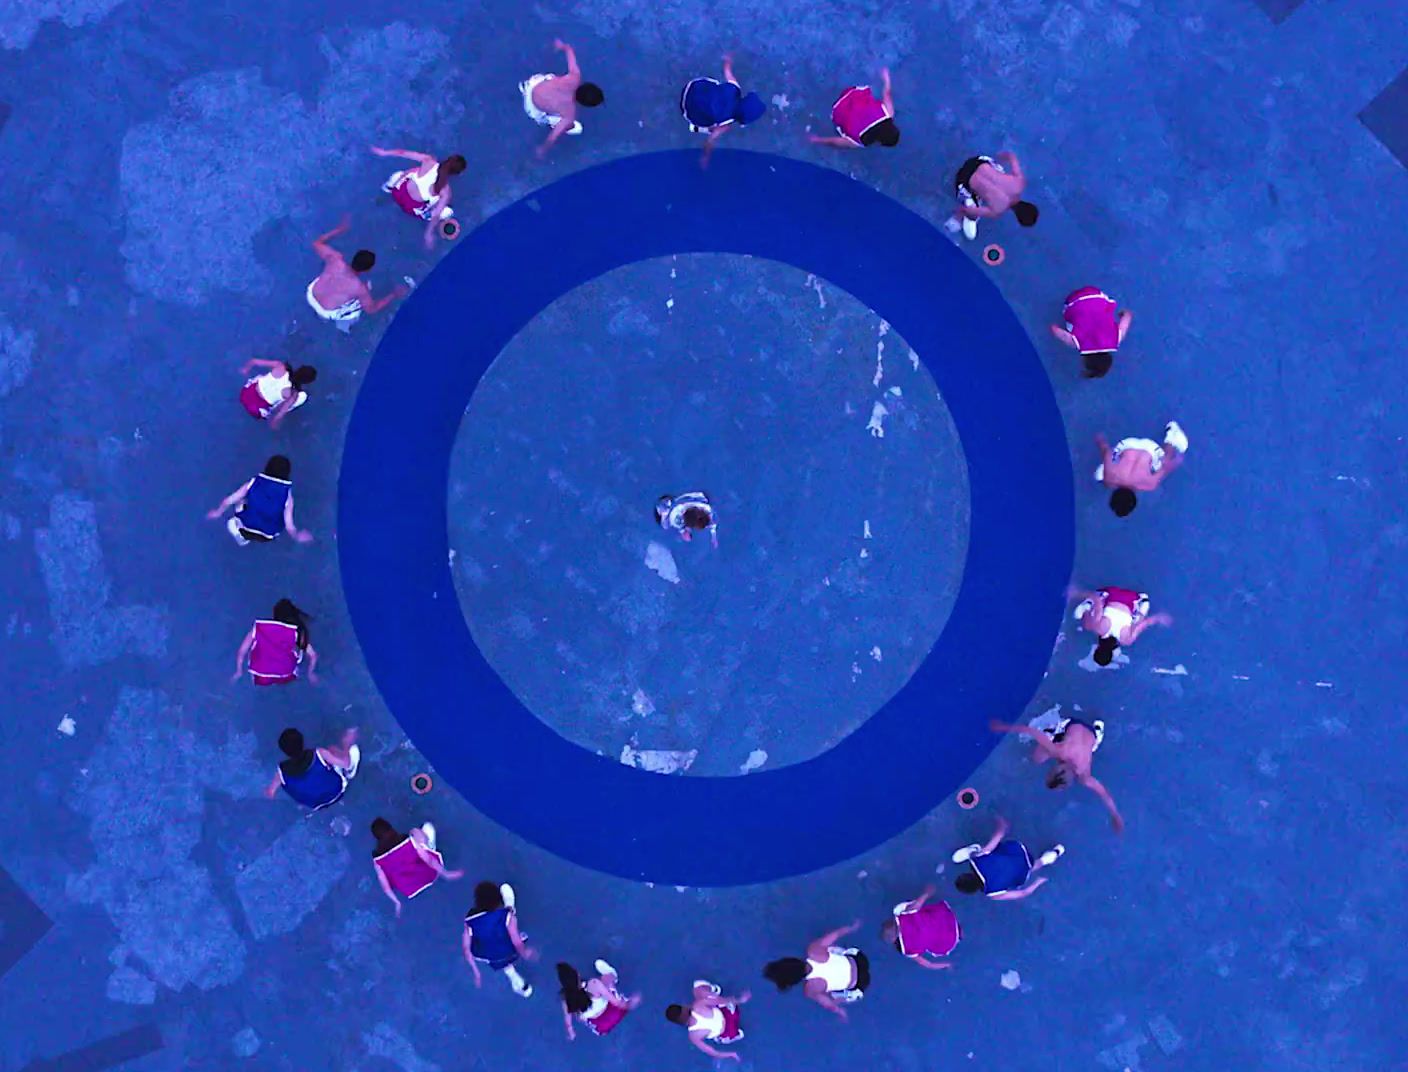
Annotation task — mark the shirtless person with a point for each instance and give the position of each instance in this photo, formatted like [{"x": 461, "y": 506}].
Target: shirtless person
[
  {"x": 986, "y": 189},
  {"x": 1071, "y": 743},
  {"x": 552, "y": 100},
  {"x": 1138, "y": 465},
  {"x": 339, "y": 294}
]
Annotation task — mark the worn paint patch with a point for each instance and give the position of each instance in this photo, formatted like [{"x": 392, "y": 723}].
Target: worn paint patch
[
  {"x": 20, "y": 19},
  {"x": 281, "y": 886},
  {"x": 16, "y": 356}
]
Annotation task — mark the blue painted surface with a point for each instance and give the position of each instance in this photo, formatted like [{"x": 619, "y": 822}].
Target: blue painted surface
[
  {"x": 1386, "y": 116},
  {"x": 927, "y": 739},
  {"x": 1199, "y": 161}
]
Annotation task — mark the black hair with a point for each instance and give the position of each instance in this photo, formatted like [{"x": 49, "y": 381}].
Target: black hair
[
  {"x": 1057, "y": 778},
  {"x": 303, "y": 375},
  {"x": 363, "y": 260},
  {"x": 451, "y": 165},
  {"x": 890, "y": 932},
  {"x": 677, "y": 1014},
  {"x": 1123, "y": 501},
  {"x": 291, "y": 742},
  {"x": 1026, "y": 213},
  {"x": 387, "y": 836},
  {"x": 882, "y": 133},
  {"x": 969, "y": 882},
  {"x": 589, "y": 95},
  {"x": 1098, "y": 363},
  {"x": 696, "y": 517},
  {"x": 286, "y": 611},
  {"x": 487, "y": 897},
  {"x": 278, "y": 467},
  {"x": 786, "y": 973},
  {"x": 574, "y": 995},
  {"x": 1105, "y": 650}
]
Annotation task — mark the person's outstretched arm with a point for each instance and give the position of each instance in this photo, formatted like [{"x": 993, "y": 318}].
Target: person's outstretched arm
[
  {"x": 312, "y": 654},
  {"x": 272, "y": 789},
  {"x": 386, "y": 889},
  {"x": 1094, "y": 785},
  {"x": 887, "y": 97},
  {"x": 231, "y": 499},
  {"x": 1154, "y": 619},
  {"x": 526, "y": 951},
  {"x": 1042, "y": 742},
  {"x": 1126, "y": 319},
  {"x": 729, "y": 76},
  {"x": 836, "y": 142},
  {"x": 259, "y": 362},
  {"x": 1026, "y": 891},
  {"x": 301, "y": 535},
  {"x": 320, "y": 244},
  {"x": 819, "y": 994},
  {"x": 404, "y": 154},
  {"x": 997, "y": 835},
  {"x": 570, "y": 54},
  {"x": 932, "y": 965},
  {"x": 1013, "y": 164},
  {"x": 696, "y": 1039},
  {"x": 1065, "y": 336},
  {"x": 465, "y": 944},
  {"x": 376, "y": 305},
  {"x": 242, "y": 654},
  {"x": 567, "y": 1020},
  {"x": 820, "y": 948}
]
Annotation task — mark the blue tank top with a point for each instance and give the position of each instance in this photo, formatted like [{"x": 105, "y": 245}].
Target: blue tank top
[
  {"x": 490, "y": 940},
  {"x": 707, "y": 102},
  {"x": 315, "y": 788},
  {"x": 263, "y": 510},
  {"x": 1005, "y": 868}
]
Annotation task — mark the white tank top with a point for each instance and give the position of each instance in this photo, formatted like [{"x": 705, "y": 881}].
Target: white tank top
[
  {"x": 273, "y": 385},
  {"x": 835, "y": 971},
  {"x": 596, "y": 1008},
  {"x": 425, "y": 184},
  {"x": 1117, "y": 614},
  {"x": 711, "y": 1023}
]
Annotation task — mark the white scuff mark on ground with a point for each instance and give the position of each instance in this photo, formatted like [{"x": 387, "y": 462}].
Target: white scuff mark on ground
[
  {"x": 658, "y": 760},
  {"x": 1357, "y": 481},
  {"x": 452, "y": 557},
  {"x": 1047, "y": 721},
  {"x": 1240, "y": 677},
  {"x": 673, "y": 273},
  {"x": 67, "y": 726},
  {"x": 849, "y": 410},
  {"x": 855, "y": 670},
  {"x": 641, "y": 704},
  {"x": 756, "y": 759},
  {"x": 1179, "y": 670},
  {"x": 865, "y": 530},
  {"x": 815, "y": 284},
  {"x": 659, "y": 560},
  {"x": 876, "y": 654},
  {"x": 876, "y": 427},
  {"x": 669, "y": 303},
  {"x": 913, "y": 360},
  {"x": 865, "y": 552},
  {"x": 780, "y": 102},
  {"x": 1011, "y": 980},
  {"x": 1324, "y": 684},
  {"x": 895, "y": 391},
  {"x": 880, "y": 353}
]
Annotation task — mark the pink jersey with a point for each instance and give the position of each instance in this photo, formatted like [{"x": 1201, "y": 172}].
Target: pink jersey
[
  {"x": 407, "y": 873},
  {"x": 931, "y": 929},
  {"x": 1090, "y": 317},
  {"x": 856, "y": 111},
  {"x": 1125, "y": 597},
  {"x": 275, "y": 656}
]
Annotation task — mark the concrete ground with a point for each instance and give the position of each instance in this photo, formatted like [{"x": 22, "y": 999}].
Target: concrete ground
[{"x": 1232, "y": 172}]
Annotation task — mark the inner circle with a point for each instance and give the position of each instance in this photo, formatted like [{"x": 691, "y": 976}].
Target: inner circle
[{"x": 840, "y": 489}]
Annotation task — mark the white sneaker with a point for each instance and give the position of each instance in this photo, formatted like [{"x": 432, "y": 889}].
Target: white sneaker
[
  {"x": 963, "y": 855},
  {"x": 233, "y": 528},
  {"x": 506, "y": 892},
  {"x": 603, "y": 968},
  {"x": 970, "y": 228},
  {"x": 354, "y": 757},
  {"x": 1081, "y": 609},
  {"x": 1051, "y": 855},
  {"x": 1175, "y": 437},
  {"x": 429, "y": 830},
  {"x": 575, "y": 128},
  {"x": 520, "y": 985}
]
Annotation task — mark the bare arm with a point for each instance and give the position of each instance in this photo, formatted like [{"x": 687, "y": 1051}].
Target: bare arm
[
  {"x": 301, "y": 535},
  {"x": 820, "y": 949},
  {"x": 1026, "y": 891},
  {"x": 242, "y": 655},
  {"x": 1013, "y": 164},
  {"x": 1001, "y": 832},
  {"x": 836, "y": 142},
  {"x": 696, "y": 1039},
  {"x": 887, "y": 97},
  {"x": 1042, "y": 742},
  {"x": 1126, "y": 319},
  {"x": 465, "y": 941},
  {"x": 567, "y": 1019},
  {"x": 1065, "y": 336},
  {"x": 272, "y": 789},
  {"x": 1094, "y": 785},
  {"x": 259, "y": 362},
  {"x": 312, "y": 654},
  {"x": 1137, "y": 630},
  {"x": 525, "y": 951},
  {"x": 386, "y": 889},
  {"x": 570, "y": 55},
  {"x": 405, "y": 154},
  {"x": 816, "y": 990},
  {"x": 932, "y": 965},
  {"x": 230, "y": 500},
  {"x": 320, "y": 244},
  {"x": 728, "y": 69},
  {"x": 376, "y": 305}
]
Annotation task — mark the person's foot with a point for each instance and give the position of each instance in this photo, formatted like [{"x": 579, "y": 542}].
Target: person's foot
[
  {"x": 506, "y": 892},
  {"x": 603, "y": 968},
  {"x": 1081, "y": 609},
  {"x": 1051, "y": 855},
  {"x": 970, "y": 228},
  {"x": 233, "y": 528},
  {"x": 1175, "y": 437},
  {"x": 354, "y": 760},
  {"x": 963, "y": 855},
  {"x": 429, "y": 830},
  {"x": 575, "y": 128}
]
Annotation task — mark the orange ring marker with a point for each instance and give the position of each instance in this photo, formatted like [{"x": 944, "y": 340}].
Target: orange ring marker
[
  {"x": 993, "y": 255},
  {"x": 967, "y": 798},
  {"x": 421, "y": 784},
  {"x": 449, "y": 228}
]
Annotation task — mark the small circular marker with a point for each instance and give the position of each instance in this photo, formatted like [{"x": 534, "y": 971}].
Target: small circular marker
[
  {"x": 994, "y": 255},
  {"x": 968, "y": 798},
  {"x": 420, "y": 784},
  {"x": 449, "y": 229}
]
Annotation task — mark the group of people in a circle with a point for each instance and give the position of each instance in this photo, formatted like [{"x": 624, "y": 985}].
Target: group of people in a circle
[{"x": 278, "y": 648}]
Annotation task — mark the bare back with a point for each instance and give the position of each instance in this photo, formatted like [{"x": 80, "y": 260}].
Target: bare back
[
  {"x": 557, "y": 95},
  {"x": 1134, "y": 468},
  {"x": 338, "y": 283},
  {"x": 997, "y": 190}
]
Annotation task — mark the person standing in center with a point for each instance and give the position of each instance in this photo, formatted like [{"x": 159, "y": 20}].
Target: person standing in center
[
  {"x": 862, "y": 119},
  {"x": 263, "y": 506},
  {"x": 407, "y": 864},
  {"x": 552, "y": 100},
  {"x": 714, "y": 108}
]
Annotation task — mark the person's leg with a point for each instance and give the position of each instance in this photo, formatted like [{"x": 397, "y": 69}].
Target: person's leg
[
  {"x": 606, "y": 972},
  {"x": 233, "y": 528},
  {"x": 520, "y": 985},
  {"x": 506, "y": 892},
  {"x": 1049, "y": 857}
]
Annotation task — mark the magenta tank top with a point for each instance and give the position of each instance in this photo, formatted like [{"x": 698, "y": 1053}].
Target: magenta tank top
[
  {"x": 405, "y": 870},
  {"x": 275, "y": 653},
  {"x": 856, "y": 111},
  {"x": 1090, "y": 317},
  {"x": 933, "y": 929}
]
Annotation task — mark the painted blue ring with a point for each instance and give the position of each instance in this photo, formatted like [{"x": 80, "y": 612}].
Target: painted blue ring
[{"x": 393, "y": 528}]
